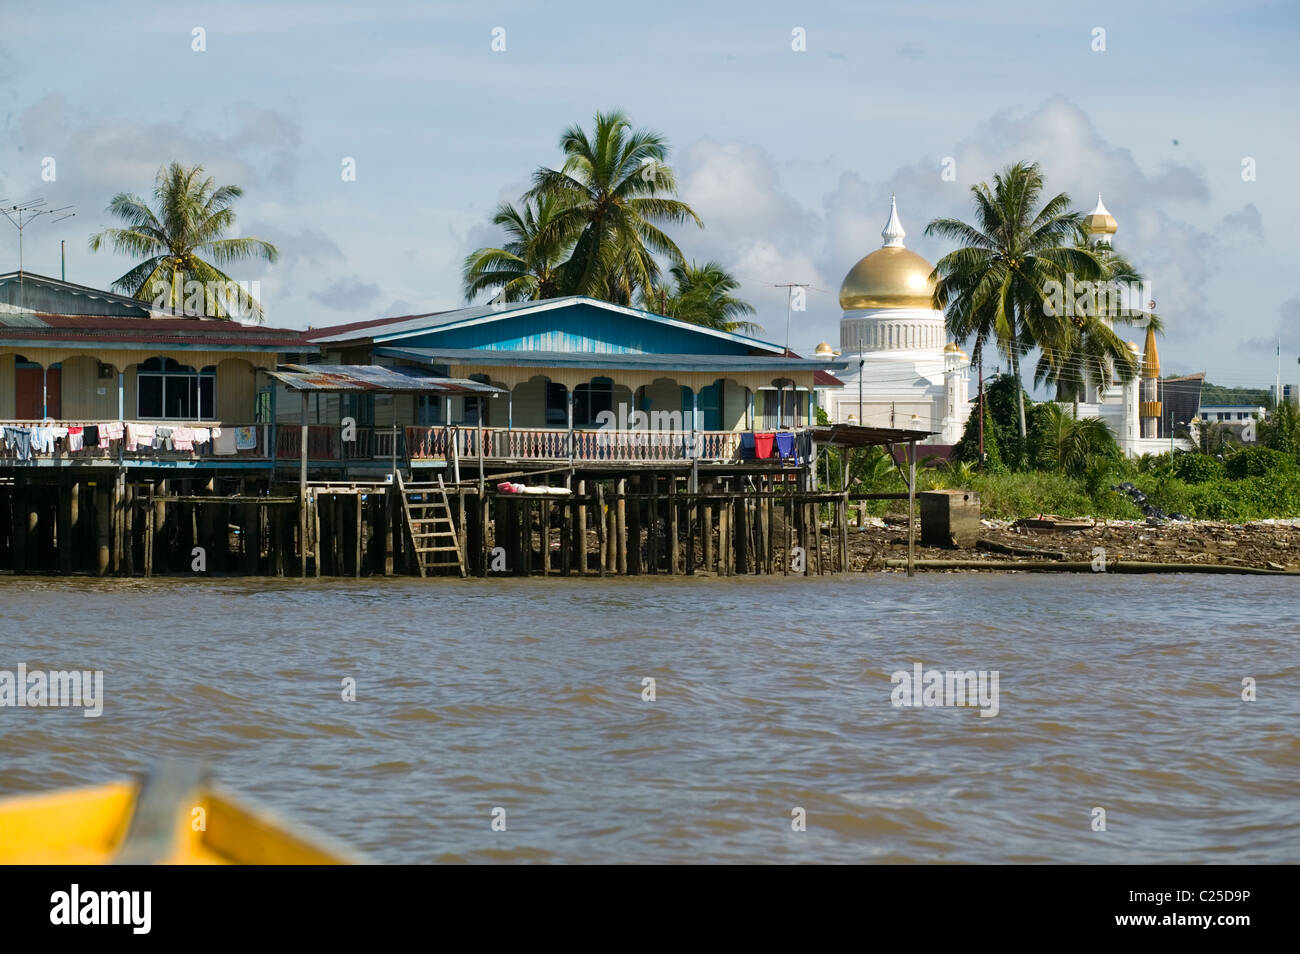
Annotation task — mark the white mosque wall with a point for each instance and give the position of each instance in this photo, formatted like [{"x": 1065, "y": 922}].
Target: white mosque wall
[{"x": 892, "y": 329}]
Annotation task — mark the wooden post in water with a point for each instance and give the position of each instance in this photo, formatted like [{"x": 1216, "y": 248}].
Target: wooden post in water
[
  {"x": 725, "y": 542},
  {"x": 317, "y": 548},
  {"x": 103, "y": 529},
  {"x": 741, "y": 532},
  {"x": 692, "y": 519},
  {"x": 62, "y": 525},
  {"x": 150, "y": 521},
  {"x": 582, "y": 528},
  {"x": 628, "y": 537},
  {"x": 302, "y": 494},
  {"x": 357, "y": 552},
  {"x": 706, "y": 528},
  {"x": 911, "y": 508},
  {"x": 672, "y": 523},
  {"x": 128, "y": 509},
  {"x": 163, "y": 522}
]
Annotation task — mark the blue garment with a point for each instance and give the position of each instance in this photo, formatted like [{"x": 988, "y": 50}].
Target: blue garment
[
  {"x": 20, "y": 439},
  {"x": 785, "y": 445},
  {"x": 747, "y": 445}
]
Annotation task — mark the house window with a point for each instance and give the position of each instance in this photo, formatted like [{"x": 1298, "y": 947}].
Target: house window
[
  {"x": 359, "y": 407},
  {"x": 589, "y": 400},
  {"x": 557, "y": 405},
  {"x": 168, "y": 390},
  {"x": 428, "y": 410}
]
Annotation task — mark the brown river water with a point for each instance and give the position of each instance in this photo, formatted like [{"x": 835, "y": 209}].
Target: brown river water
[{"x": 1114, "y": 692}]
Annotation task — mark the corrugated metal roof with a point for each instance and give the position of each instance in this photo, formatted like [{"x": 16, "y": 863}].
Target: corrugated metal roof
[
  {"x": 648, "y": 362},
  {"x": 854, "y": 435},
  {"x": 373, "y": 378},
  {"x": 118, "y": 330}
]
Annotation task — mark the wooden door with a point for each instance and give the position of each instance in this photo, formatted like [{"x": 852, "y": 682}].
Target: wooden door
[{"x": 29, "y": 402}]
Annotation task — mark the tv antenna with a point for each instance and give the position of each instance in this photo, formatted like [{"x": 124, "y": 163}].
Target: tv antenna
[{"x": 22, "y": 214}]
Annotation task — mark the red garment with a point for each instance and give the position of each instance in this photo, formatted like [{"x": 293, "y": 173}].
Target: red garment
[{"x": 763, "y": 446}]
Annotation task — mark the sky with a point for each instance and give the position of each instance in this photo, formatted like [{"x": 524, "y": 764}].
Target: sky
[{"x": 1185, "y": 122}]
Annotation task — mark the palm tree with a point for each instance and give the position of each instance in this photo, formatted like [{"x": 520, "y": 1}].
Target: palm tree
[
  {"x": 1086, "y": 350},
  {"x": 1069, "y": 444},
  {"x": 613, "y": 193},
  {"x": 994, "y": 287},
  {"x": 701, "y": 294},
  {"x": 178, "y": 240},
  {"x": 530, "y": 265}
]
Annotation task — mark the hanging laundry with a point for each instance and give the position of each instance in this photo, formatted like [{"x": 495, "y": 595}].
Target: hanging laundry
[
  {"x": 90, "y": 435},
  {"x": 115, "y": 430},
  {"x": 763, "y": 446},
  {"x": 183, "y": 438},
  {"x": 162, "y": 438},
  {"x": 75, "y": 439},
  {"x": 202, "y": 435},
  {"x": 224, "y": 439},
  {"x": 20, "y": 439},
  {"x": 246, "y": 437},
  {"x": 139, "y": 436},
  {"x": 43, "y": 440}
]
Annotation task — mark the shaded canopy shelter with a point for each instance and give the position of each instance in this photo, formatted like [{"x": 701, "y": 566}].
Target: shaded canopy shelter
[
  {"x": 363, "y": 379},
  {"x": 850, "y": 436}
]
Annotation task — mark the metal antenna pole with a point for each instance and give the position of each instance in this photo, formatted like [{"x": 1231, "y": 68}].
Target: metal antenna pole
[
  {"x": 788, "y": 298},
  {"x": 21, "y": 215}
]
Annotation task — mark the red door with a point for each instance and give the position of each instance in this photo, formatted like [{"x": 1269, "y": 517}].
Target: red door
[{"x": 30, "y": 404}]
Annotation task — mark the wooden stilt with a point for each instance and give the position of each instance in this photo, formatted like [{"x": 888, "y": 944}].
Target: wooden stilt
[
  {"x": 672, "y": 523},
  {"x": 622, "y": 540}
]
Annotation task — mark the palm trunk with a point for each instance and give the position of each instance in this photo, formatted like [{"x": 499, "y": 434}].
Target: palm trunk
[{"x": 1020, "y": 393}]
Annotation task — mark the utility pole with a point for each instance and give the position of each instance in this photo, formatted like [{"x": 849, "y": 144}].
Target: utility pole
[
  {"x": 788, "y": 298},
  {"x": 1277, "y": 393},
  {"x": 862, "y": 367},
  {"x": 981, "y": 411}
]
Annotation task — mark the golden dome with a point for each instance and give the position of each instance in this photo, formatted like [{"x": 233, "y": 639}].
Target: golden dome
[
  {"x": 951, "y": 348},
  {"x": 824, "y": 350},
  {"x": 888, "y": 278},
  {"x": 1099, "y": 221}
]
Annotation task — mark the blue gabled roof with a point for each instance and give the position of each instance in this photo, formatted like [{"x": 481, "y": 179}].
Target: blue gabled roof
[
  {"x": 389, "y": 330},
  {"x": 613, "y": 361}
]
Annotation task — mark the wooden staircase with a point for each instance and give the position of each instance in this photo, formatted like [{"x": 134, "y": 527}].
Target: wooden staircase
[{"x": 429, "y": 526}]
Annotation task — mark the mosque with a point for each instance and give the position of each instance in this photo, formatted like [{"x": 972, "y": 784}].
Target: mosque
[{"x": 904, "y": 372}]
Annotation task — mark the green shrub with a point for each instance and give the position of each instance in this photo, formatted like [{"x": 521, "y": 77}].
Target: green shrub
[
  {"x": 1259, "y": 462},
  {"x": 1196, "y": 468}
]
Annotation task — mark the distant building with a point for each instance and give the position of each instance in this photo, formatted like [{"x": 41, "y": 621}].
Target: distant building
[{"x": 1231, "y": 413}]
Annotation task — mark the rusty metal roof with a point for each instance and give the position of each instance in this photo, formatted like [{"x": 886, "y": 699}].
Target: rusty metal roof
[
  {"x": 373, "y": 378},
  {"x": 854, "y": 435}
]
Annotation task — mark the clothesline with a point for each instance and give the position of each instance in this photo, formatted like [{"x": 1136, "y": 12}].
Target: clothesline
[{"x": 24, "y": 441}]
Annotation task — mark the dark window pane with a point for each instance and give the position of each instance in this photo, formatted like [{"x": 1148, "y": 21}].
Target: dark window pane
[
  {"x": 176, "y": 396},
  {"x": 207, "y": 409},
  {"x": 150, "y": 402}
]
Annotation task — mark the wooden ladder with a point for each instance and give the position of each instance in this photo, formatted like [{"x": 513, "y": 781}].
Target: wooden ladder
[{"x": 429, "y": 526}]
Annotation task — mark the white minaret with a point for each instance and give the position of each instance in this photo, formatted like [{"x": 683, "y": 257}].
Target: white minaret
[
  {"x": 892, "y": 234},
  {"x": 956, "y": 388},
  {"x": 1129, "y": 422}
]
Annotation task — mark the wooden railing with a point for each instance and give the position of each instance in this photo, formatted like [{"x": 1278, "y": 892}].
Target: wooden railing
[{"x": 545, "y": 443}]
